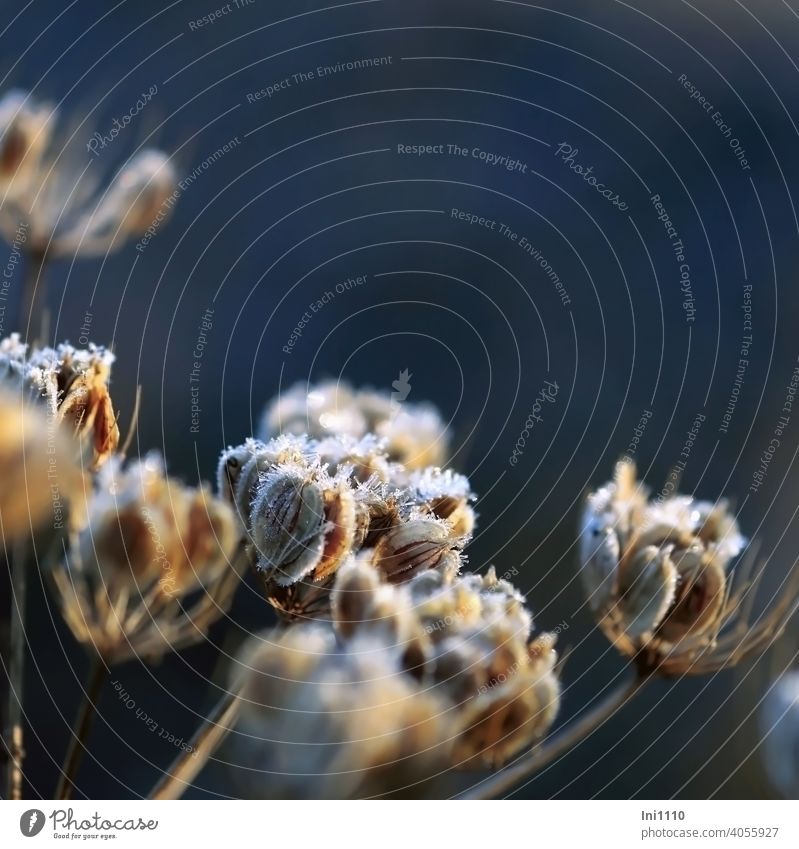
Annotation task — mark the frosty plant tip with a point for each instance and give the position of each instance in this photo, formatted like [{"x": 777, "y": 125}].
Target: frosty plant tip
[{"x": 660, "y": 579}]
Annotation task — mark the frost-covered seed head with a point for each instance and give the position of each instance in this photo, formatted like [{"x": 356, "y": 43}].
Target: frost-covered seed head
[{"x": 656, "y": 571}]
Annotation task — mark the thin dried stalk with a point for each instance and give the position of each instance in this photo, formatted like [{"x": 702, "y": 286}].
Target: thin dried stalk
[
  {"x": 203, "y": 744},
  {"x": 509, "y": 777},
  {"x": 32, "y": 300},
  {"x": 83, "y": 724},
  {"x": 16, "y": 670},
  {"x": 134, "y": 422}
]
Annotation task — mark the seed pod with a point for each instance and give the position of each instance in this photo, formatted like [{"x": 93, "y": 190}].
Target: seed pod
[
  {"x": 230, "y": 468},
  {"x": 354, "y": 595},
  {"x": 209, "y": 530},
  {"x": 457, "y": 512},
  {"x": 340, "y": 524},
  {"x": 382, "y": 514},
  {"x": 240, "y": 468},
  {"x": 414, "y": 546},
  {"x": 600, "y": 551},
  {"x": 25, "y": 128},
  {"x": 287, "y": 524},
  {"x": 504, "y": 718},
  {"x": 446, "y": 495},
  {"x": 456, "y": 662},
  {"x": 367, "y": 612},
  {"x": 366, "y": 457},
  {"x": 361, "y": 529},
  {"x": 128, "y": 543},
  {"x": 139, "y": 192},
  {"x": 74, "y": 385},
  {"x": 647, "y": 581},
  {"x": 303, "y": 601},
  {"x": 699, "y": 596},
  {"x": 717, "y": 528}
]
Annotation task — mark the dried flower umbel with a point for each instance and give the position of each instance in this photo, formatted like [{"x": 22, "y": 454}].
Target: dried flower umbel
[
  {"x": 72, "y": 385},
  {"x": 468, "y": 639},
  {"x": 63, "y": 212},
  {"x": 413, "y": 434},
  {"x": 319, "y": 722},
  {"x": 412, "y": 681},
  {"x": 659, "y": 580},
  {"x": 307, "y": 504},
  {"x": 152, "y": 569}
]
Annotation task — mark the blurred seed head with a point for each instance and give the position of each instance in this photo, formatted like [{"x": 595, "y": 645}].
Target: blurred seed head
[
  {"x": 393, "y": 696},
  {"x": 318, "y": 411},
  {"x": 321, "y": 722},
  {"x": 467, "y": 639},
  {"x": 412, "y": 434},
  {"x": 138, "y": 192},
  {"x": 25, "y": 128},
  {"x": 68, "y": 208},
  {"x": 153, "y": 566},
  {"x": 779, "y": 734},
  {"x": 42, "y": 481},
  {"x": 366, "y": 457}
]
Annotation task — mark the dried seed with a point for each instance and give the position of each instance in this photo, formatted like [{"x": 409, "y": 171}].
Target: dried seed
[
  {"x": 413, "y": 547},
  {"x": 287, "y": 525}
]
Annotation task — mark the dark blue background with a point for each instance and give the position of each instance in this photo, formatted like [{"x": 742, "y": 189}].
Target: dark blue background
[{"x": 317, "y": 193}]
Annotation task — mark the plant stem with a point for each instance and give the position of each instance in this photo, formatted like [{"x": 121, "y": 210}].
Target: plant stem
[
  {"x": 529, "y": 763},
  {"x": 32, "y": 299},
  {"x": 203, "y": 744},
  {"x": 16, "y": 669},
  {"x": 77, "y": 744},
  {"x": 33, "y": 296}
]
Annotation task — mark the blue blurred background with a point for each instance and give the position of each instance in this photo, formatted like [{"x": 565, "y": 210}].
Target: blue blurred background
[{"x": 317, "y": 188}]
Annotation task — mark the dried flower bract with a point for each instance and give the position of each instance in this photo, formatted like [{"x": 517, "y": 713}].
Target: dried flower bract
[{"x": 659, "y": 580}]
